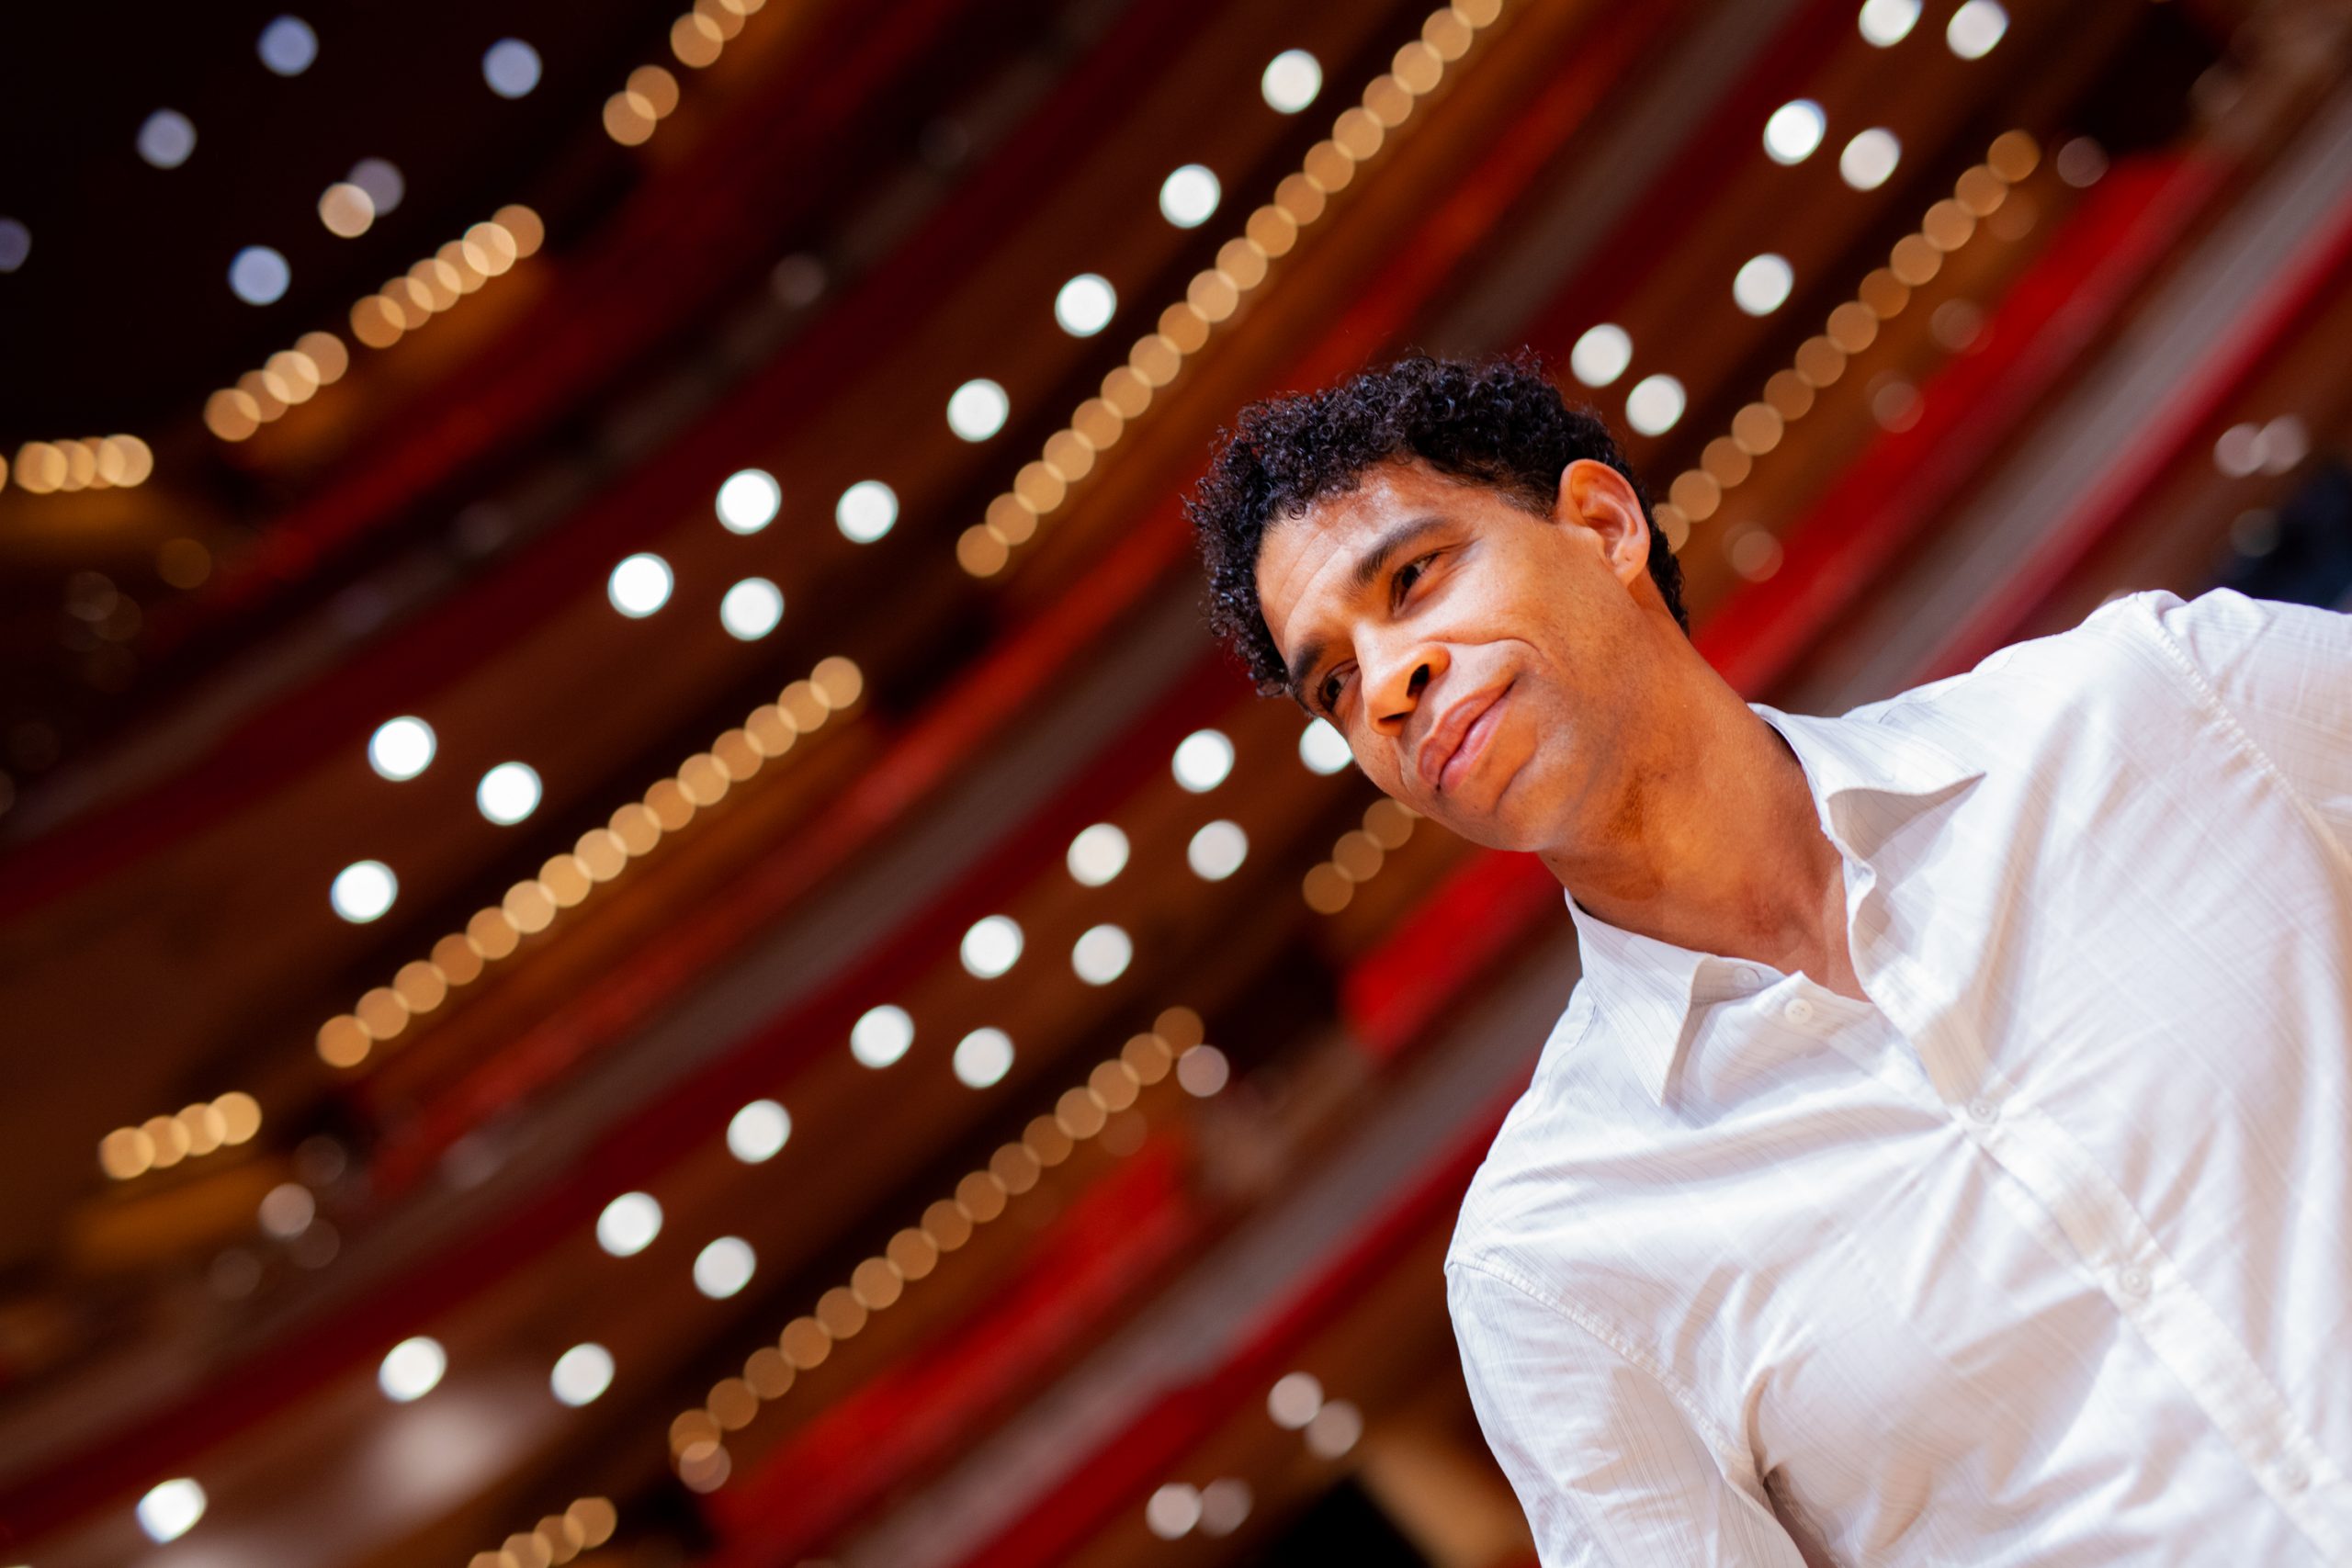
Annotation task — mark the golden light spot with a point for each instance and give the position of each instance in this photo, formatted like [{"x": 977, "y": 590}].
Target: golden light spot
[
  {"x": 696, "y": 40},
  {"x": 1478, "y": 13},
  {"x": 1148, "y": 1056},
  {"x": 982, "y": 1196},
  {"x": 1447, "y": 33},
  {"x": 326, "y": 353},
  {"x": 229, "y": 413},
  {"x": 495, "y": 246},
  {"x": 913, "y": 1254},
  {"x": 1357, "y": 134},
  {"x": 1948, "y": 225},
  {"x": 596, "y": 1518},
  {"x": 529, "y": 905},
  {"x": 805, "y": 1343},
  {"x": 1299, "y": 198},
  {"x": 439, "y": 279},
  {"x": 457, "y": 959},
  {"x": 41, "y": 466},
  {"x": 421, "y": 985},
  {"x": 1180, "y": 1029},
  {"x": 463, "y": 262},
  {"x": 207, "y": 1128},
  {"x": 1789, "y": 394},
  {"x": 657, "y": 87},
  {"x": 1241, "y": 262},
  {"x": 842, "y": 1312},
  {"x": 1668, "y": 519},
  {"x": 1328, "y": 168},
  {"x": 1915, "y": 261},
  {"x": 1273, "y": 231},
  {"x": 946, "y": 1226},
  {"x": 1068, "y": 454},
  {"x": 1155, "y": 359},
  {"x": 1127, "y": 392},
  {"x": 1041, "y": 487},
  {"x": 732, "y": 1402},
  {"x": 566, "y": 880},
  {"x": 242, "y": 1114},
  {"x": 346, "y": 210},
  {"x": 1078, "y": 1114},
  {"x": 170, "y": 1139},
  {"x": 126, "y": 1152},
  {"x": 1696, "y": 493},
  {"x": 705, "y": 782},
  {"x": 602, "y": 854},
  {"x": 2013, "y": 155},
  {"x": 1098, "y": 424},
  {"x": 1979, "y": 190},
  {"x": 727, "y": 16},
  {"x": 1726, "y": 461},
  {"x": 669, "y": 805},
  {"x": 523, "y": 226},
  {"x": 736, "y": 756},
  {"x": 979, "y": 552},
  {"x": 770, "y": 730},
  {"x": 802, "y": 706},
  {"x": 382, "y": 1013},
  {"x": 1882, "y": 294},
  {"x": 1852, "y": 327},
  {"x": 376, "y": 322},
  {"x": 876, "y": 1283},
  {"x": 1327, "y": 891},
  {"x": 493, "y": 934},
  {"x": 637, "y": 828},
  {"x": 1388, "y": 101},
  {"x": 1212, "y": 294},
  {"x": 1184, "y": 326},
  {"x": 1047, "y": 1141},
  {"x": 689, "y": 1427},
  {"x": 258, "y": 386},
  {"x": 628, "y": 119},
  {"x": 1015, "y": 1168},
  {"x": 1820, "y": 362},
  {"x": 770, "y": 1375}
]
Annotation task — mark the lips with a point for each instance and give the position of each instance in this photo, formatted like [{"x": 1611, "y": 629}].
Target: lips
[{"x": 1452, "y": 749}]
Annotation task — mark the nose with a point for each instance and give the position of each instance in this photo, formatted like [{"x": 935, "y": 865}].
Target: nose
[{"x": 1395, "y": 682}]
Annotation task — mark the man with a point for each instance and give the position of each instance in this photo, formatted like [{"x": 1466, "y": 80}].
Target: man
[{"x": 1946, "y": 1155}]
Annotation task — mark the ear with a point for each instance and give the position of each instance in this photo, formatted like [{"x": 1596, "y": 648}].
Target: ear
[{"x": 1595, "y": 496}]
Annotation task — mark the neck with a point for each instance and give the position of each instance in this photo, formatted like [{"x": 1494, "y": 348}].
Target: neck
[{"x": 1712, "y": 843}]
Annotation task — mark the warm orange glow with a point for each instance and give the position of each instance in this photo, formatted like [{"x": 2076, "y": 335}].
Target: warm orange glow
[
  {"x": 457, "y": 959},
  {"x": 1326, "y": 890},
  {"x": 628, "y": 119},
  {"x": 1300, "y": 199},
  {"x": 1039, "y": 485},
  {"x": 770, "y": 1375},
  {"x": 1212, "y": 294},
  {"x": 382, "y": 1013},
  {"x": 1078, "y": 1114},
  {"x": 523, "y": 226},
  {"x": 1668, "y": 519},
  {"x": 1241, "y": 262},
  {"x": 1098, "y": 424},
  {"x": 1727, "y": 462},
  {"x": 1388, "y": 101},
  {"x": 915, "y": 1255},
  {"x": 876, "y": 1283},
  {"x": 1328, "y": 168},
  {"x": 736, "y": 756},
  {"x": 241, "y": 1114},
  {"x": 1180, "y": 1029},
  {"x": 690, "y": 1428},
  {"x": 979, "y": 552},
  {"x": 1948, "y": 225},
  {"x": 1882, "y": 294},
  {"x": 1852, "y": 327},
  {"x": 728, "y": 17},
  {"x": 982, "y": 1196},
  {"x": 1047, "y": 1141},
  {"x": 41, "y": 466},
  {"x": 1127, "y": 392},
  {"x": 493, "y": 934},
  {"x": 1011, "y": 519},
  {"x": 770, "y": 732},
  {"x": 1015, "y": 1168},
  {"x": 376, "y": 322},
  {"x": 1447, "y": 33},
  {"x": 732, "y": 1401},
  {"x": 1418, "y": 66},
  {"x": 800, "y": 703},
  {"x": 126, "y": 1152},
  {"x": 1789, "y": 394},
  {"x": 1148, "y": 1056},
  {"x": 805, "y": 1343},
  {"x": 669, "y": 805},
  {"x": 600, "y": 854},
  {"x": 494, "y": 247},
  {"x": 464, "y": 263},
  {"x": 657, "y": 87},
  {"x": 2013, "y": 155},
  {"x": 329, "y": 359},
  {"x": 637, "y": 827},
  {"x": 341, "y": 1043},
  {"x": 1357, "y": 134},
  {"x": 207, "y": 1128},
  {"x": 1697, "y": 493},
  {"x": 529, "y": 907},
  {"x": 696, "y": 40},
  {"x": 1067, "y": 453},
  {"x": 1273, "y": 231},
  {"x": 842, "y": 1314},
  {"x": 1184, "y": 326},
  {"x": 1820, "y": 362},
  {"x": 1155, "y": 359},
  {"x": 170, "y": 1140},
  {"x": 1914, "y": 260},
  {"x": 566, "y": 880},
  {"x": 946, "y": 1226},
  {"x": 704, "y": 780}
]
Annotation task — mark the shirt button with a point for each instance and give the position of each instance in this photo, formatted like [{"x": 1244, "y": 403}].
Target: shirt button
[
  {"x": 1799, "y": 1010},
  {"x": 1984, "y": 1109},
  {"x": 1747, "y": 975},
  {"x": 2132, "y": 1282},
  {"x": 2292, "y": 1477}
]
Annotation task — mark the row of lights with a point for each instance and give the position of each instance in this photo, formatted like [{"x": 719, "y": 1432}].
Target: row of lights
[
  {"x": 94, "y": 462},
  {"x": 1329, "y": 1427},
  {"x": 1792, "y": 134},
  {"x": 697, "y": 1436},
  {"x": 161, "y": 1142},
  {"x": 1914, "y": 260},
  {"x": 1358, "y": 856},
  {"x": 600, "y": 854},
  {"x": 588, "y": 1523},
  {"x": 1188, "y": 199}
]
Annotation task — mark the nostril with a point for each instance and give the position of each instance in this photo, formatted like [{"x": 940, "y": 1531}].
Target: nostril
[{"x": 1420, "y": 679}]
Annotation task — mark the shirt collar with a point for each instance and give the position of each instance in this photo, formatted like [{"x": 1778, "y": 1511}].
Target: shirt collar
[{"x": 1643, "y": 986}]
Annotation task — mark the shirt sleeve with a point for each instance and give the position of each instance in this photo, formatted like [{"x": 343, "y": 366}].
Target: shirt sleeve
[
  {"x": 2284, "y": 673},
  {"x": 1606, "y": 1463}
]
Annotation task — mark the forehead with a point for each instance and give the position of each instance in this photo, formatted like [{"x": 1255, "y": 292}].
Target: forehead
[{"x": 1296, "y": 553}]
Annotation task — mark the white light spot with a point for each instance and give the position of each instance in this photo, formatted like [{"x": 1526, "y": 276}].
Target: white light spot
[
  {"x": 752, "y": 609},
  {"x": 1323, "y": 749},
  {"x": 992, "y": 946},
  {"x": 1292, "y": 79},
  {"x": 724, "y": 1267},
  {"x": 749, "y": 500},
  {"x": 286, "y": 1210},
  {"x": 259, "y": 276},
  {"x": 1098, "y": 854},
  {"x": 1335, "y": 1429},
  {"x": 1202, "y": 760},
  {"x": 288, "y": 46},
  {"x": 1225, "y": 1505},
  {"x": 581, "y": 1374},
  {"x": 983, "y": 1057},
  {"x": 882, "y": 1035},
  {"x": 1870, "y": 158},
  {"x": 1975, "y": 28},
  {"x": 401, "y": 748},
  {"x": 1188, "y": 197},
  {"x": 1795, "y": 130},
  {"x": 757, "y": 1132},
  {"x": 380, "y": 178},
  {"x": 1886, "y": 23},
  {"x": 511, "y": 67},
  {"x": 1654, "y": 405},
  {"x": 1602, "y": 354},
  {"x": 628, "y": 1225},
  {"x": 171, "y": 1509},
  {"x": 166, "y": 138},
  {"x": 508, "y": 793},
  {"x": 412, "y": 1370},
  {"x": 977, "y": 409},
  {"x": 15, "y": 244},
  {"x": 2081, "y": 162},
  {"x": 866, "y": 511},
  {"x": 1103, "y": 954},
  {"x": 1173, "y": 1512},
  {"x": 346, "y": 210},
  {"x": 1218, "y": 850},
  {"x": 2285, "y": 444},
  {"x": 363, "y": 890},
  {"x": 1203, "y": 1070},
  {"x": 1294, "y": 1400},
  {"x": 639, "y": 585},
  {"x": 1085, "y": 304},
  {"x": 1762, "y": 284}
]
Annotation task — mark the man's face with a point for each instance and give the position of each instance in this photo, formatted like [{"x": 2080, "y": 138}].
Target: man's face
[{"x": 1488, "y": 667}]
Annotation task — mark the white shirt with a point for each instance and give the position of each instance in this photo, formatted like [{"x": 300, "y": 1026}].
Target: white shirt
[{"x": 2043, "y": 1255}]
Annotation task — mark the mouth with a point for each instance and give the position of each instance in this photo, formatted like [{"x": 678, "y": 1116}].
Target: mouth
[{"x": 1451, "y": 753}]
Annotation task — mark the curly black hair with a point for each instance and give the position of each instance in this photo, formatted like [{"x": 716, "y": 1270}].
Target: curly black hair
[{"x": 1497, "y": 421}]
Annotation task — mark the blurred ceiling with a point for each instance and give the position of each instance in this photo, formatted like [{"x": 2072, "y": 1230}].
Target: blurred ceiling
[{"x": 986, "y": 1088}]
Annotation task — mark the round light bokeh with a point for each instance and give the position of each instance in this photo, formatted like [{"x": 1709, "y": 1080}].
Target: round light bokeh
[
  {"x": 628, "y": 1225},
  {"x": 170, "y": 1509},
  {"x": 1102, "y": 954},
  {"x": 363, "y": 890},
  {"x": 1795, "y": 130},
  {"x": 166, "y": 138},
  {"x": 724, "y": 1267},
  {"x": 1885, "y": 23},
  {"x": 1218, "y": 850},
  {"x": 581, "y": 1374},
  {"x": 866, "y": 511},
  {"x": 1202, "y": 761},
  {"x": 1655, "y": 405},
  {"x": 1323, "y": 749},
  {"x": 259, "y": 276},
  {"x": 752, "y": 609},
  {"x": 992, "y": 946},
  {"x": 1869, "y": 159},
  {"x": 983, "y": 1057},
  {"x": 639, "y": 585},
  {"x": 1762, "y": 284},
  {"x": 380, "y": 178},
  {"x": 881, "y": 1035},
  {"x": 1602, "y": 354},
  {"x": 1172, "y": 1511},
  {"x": 1294, "y": 1400},
  {"x": 412, "y": 1370},
  {"x": 1188, "y": 197},
  {"x": 508, "y": 793},
  {"x": 756, "y": 1133},
  {"x": 1974, "y": 29},
  {"x": 288, "y": 46},
  {"x": 1098, "y": 854},
  {"x": 511, "y": 67},
  {"x": 1290, "y": 81},
  {"x": 1085, "y": 304},
  {"x": 749, "y": 500}
]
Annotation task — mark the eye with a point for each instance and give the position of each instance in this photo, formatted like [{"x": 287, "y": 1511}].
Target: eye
[
  {"x": 1410, "y": 573},
  {"x": 1328, "y": 691}
]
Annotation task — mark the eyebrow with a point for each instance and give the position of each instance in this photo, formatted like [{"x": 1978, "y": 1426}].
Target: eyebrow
[{"x": 1362, "y": 575}]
